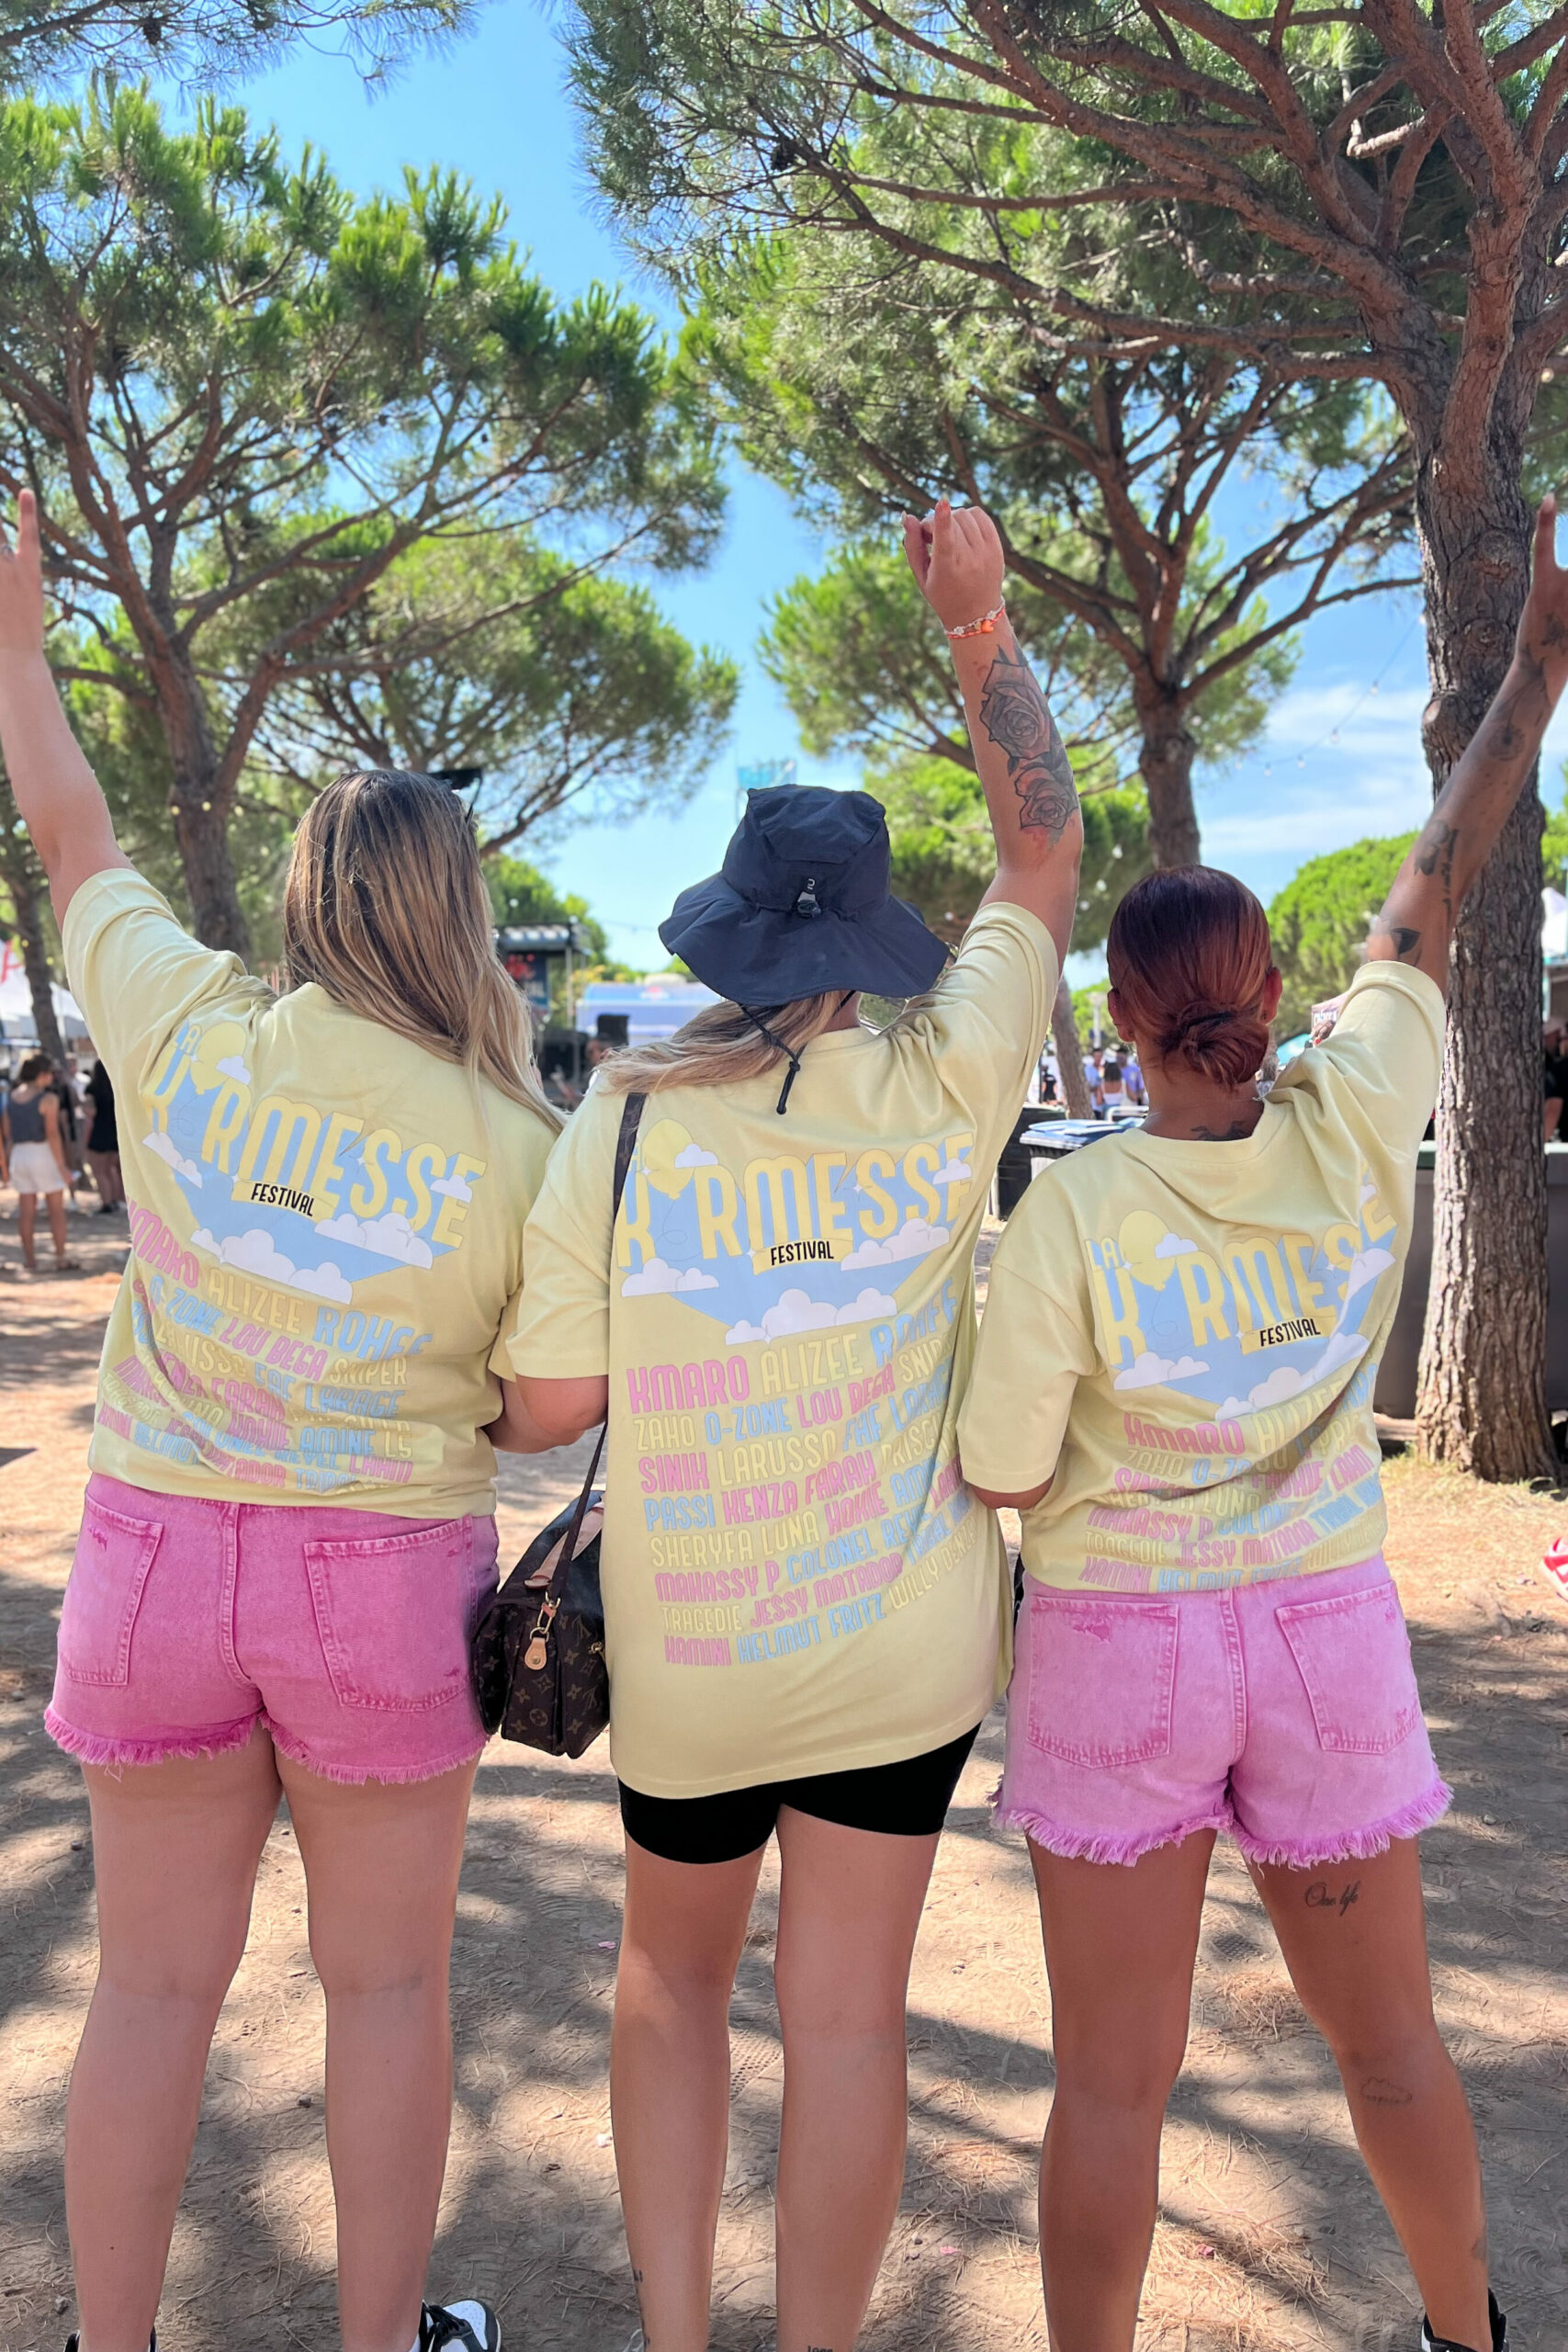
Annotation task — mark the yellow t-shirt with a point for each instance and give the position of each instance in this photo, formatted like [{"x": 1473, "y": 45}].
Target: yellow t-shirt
[
  {"x": 326, "y": 1228},
  {"x": 1188, "y": 1334},
  {"x": 795, "y": 1580}
]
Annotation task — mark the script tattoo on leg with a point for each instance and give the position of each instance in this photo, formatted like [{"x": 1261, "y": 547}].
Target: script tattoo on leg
[
  {"x": 1321, "y": 1896},
  {"x": 1015, "y": 715}
]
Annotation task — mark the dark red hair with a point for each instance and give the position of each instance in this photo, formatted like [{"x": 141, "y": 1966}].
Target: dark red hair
[{"x": 1190, "y": 957}]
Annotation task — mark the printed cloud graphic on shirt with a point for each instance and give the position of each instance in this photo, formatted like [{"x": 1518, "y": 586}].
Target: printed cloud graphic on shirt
[
  {"x": 169, "y": 1152},
  {"x": 915, "y": 1240},
  {"x": 795, "y": 1311},
  {"x": 253, "y": 1253},
  {"x": 656, "y": 1277},
  {"x": 1365, "y": 1268},
  {"x": 1149, "y": 1372},
  {"x": 1171, "y": 1245},
  {"x": 385, "y": 1236},
  {"x": 783, "y": 1243},
  {"x": 232, "y": 1067}
]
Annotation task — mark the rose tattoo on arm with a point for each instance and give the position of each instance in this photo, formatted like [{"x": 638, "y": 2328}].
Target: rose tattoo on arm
[{"x": 1015, "y": 715}]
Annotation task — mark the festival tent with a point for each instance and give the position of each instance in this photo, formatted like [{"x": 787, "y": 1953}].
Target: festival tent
[{"x": 16, "y": 1023}]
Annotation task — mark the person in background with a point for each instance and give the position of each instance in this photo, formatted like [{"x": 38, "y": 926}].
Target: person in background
[
  {"x": 780, "y": 1323},
  {"x": 103, "y": 1141},
  {"x": 290, "y": 1526},
  {"x": 1175, "y": 1384},
  {"x": 1555, "y": 1079},
  {"x": 36, "y": 1157},
  {"x": 1113, "y": 1091},
  {"x": 1133, "y": 1078}
]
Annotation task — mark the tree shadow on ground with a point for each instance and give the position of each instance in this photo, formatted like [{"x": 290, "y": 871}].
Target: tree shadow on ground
[{"x": 530, "y": 2218}]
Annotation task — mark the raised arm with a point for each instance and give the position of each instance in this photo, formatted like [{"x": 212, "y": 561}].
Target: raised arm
[
  {"x": 1417, "y": 925},
  {"x": 55, "y": 789},
  {"x": 1026, "y": 776}
]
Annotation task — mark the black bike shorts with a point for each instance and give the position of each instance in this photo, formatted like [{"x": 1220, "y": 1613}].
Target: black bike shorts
[{"x": 909, "y": 1799}]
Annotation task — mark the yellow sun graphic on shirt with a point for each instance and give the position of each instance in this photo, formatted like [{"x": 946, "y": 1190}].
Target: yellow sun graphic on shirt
[
  {"x": 219, "y": 1057},
  {"x": 1138, "y": 1247},
  {"x": 669, "y": 1157}
]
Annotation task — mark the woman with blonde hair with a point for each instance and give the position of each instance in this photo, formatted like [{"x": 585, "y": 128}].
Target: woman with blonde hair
[
  {"x": 806, "y": 1615},
  {"x": 290, "y": 1525}
]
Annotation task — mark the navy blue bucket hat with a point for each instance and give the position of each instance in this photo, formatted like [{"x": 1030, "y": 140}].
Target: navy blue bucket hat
[{"x": 802, "y": 904}]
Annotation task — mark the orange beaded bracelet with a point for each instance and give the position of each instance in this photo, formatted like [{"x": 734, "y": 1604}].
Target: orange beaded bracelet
[{"x": 984, "y": 627}]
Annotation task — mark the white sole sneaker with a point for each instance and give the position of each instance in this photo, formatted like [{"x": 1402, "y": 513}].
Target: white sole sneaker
[{"x": 458, "y": 2328}]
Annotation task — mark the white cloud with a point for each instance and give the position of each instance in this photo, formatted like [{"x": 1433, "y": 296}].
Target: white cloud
[
  {"x": 915, "y": 1239},
  {"x": 169, "y": 1152},
  {"x": 1172, "y": 1246},
  {"x": 232, "y": 1067},
  {"x": 202, "y": 1240},
  {"x": 384, "y": 1237},
  {"x": 657, "y": 1277},
  {"x": 954, "y": 1171},
  {"x": 695, "y": 1157},
  {"x": 1365, "y": 1268},
  {"x": 867, "y": 1307},
  {"x": 1286, "y": 1380},
  {"x": 1149, "y": 1371},
  {"x": 253, "y": 1253},
  {"x": 1365, "y": 1195},
  {"x": 453, "y": 1188}
]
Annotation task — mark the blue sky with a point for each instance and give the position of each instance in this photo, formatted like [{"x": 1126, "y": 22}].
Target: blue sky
[{"x": 1342, "y": 759}]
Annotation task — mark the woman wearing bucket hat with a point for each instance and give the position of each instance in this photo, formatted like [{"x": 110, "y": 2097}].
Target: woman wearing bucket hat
[{"x": 807, "y": 1615}]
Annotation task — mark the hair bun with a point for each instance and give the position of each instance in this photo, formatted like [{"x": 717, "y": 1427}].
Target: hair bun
[{"x": 1227, "y": 1043}]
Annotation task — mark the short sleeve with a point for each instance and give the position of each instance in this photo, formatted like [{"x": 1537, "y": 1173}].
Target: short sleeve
[
  {"x": 1379, "y": 1068},
  {"x": 557, "y": 1326},
  {"x": 988, "y": 1015},
  {"x": 137, "y": 973},
  {"x": 1033, "y": 1350}
]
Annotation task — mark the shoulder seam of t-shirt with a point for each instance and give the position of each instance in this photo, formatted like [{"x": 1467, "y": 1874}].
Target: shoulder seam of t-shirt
[
  {"x": 1386, "y": 972},
  {"x": 110, "y": 878},
  {"x": 1009, "y": 912}
]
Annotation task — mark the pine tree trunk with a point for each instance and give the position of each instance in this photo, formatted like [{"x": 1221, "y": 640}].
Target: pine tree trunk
[
  {"x": 1165, "y": 761},
  {"x": 201, "y": 831},
  {"x": 1070, "y": 1053},
  {"x": 1480, "y": 1402},
  {"x": 22, "y": 884}
]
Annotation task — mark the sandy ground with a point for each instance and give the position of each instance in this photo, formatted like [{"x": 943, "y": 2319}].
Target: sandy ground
[{"x": 1270, "y": 2239}]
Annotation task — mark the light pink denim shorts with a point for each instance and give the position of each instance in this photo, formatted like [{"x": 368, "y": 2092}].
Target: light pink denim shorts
[
  {"x": 345, "y": 1634},
  {"x": 1286, "y": 1712}
]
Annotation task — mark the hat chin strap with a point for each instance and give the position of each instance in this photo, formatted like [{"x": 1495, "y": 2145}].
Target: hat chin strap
[{"x": 787, "y": 1051}]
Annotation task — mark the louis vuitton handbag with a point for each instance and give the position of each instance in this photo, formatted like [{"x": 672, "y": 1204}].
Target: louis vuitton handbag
[{"x": 537, "y": 1657}]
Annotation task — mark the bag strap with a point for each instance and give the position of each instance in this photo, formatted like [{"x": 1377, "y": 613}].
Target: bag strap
[{"x": 625, "y": 1145}]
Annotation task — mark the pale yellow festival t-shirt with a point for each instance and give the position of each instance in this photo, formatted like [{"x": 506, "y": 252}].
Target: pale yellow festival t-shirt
[
  {"x": 1187, "y": 1334},
  {"x": 796, "y": 1579},
  {"x": 326, "y": 1228}
]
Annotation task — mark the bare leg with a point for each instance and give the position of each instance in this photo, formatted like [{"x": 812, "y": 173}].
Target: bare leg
[
  {"x": 381, "y": 1865},
  {"x": 1354, "y": 1936},
  {"x": 685, "y": 1925},
  {"x": 26, "y": 1212},
  {"x": 174, "y": 1853},
  {"x": 56, "y": 1203},
  {"x": 1120, "y": 1946},
  {"x": 849, "y": 1912}
]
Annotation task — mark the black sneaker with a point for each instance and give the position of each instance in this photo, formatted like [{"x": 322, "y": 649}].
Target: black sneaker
[
  {"x": 463, "y": 2327},
  {"x": 1430, "y": 2343}
]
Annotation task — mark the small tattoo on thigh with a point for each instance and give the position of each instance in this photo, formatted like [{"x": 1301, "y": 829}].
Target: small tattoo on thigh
[
  {"x": 1378, "y": 2091},
  {"x": 1321, "y": 1896}
]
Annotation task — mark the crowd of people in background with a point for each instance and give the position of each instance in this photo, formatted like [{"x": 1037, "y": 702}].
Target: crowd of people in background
[{"x": 58, "y": 1140}]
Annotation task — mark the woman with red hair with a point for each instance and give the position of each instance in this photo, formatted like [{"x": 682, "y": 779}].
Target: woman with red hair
[{"x": 1175, "y": 1386}]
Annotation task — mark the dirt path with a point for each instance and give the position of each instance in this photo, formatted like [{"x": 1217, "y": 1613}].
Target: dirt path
[{"x": 1270, "y": 2240}]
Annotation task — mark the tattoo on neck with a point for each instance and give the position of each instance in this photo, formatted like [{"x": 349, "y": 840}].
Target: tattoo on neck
[
  {"x": 1015, "y": 715},
  {"x": 1233, "y": 1134}
]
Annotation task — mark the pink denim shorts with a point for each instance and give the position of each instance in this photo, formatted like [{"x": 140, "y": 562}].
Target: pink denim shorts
[
  {"x": 345, "y": 1634},
  {"x": 1286, "y": 1712}
]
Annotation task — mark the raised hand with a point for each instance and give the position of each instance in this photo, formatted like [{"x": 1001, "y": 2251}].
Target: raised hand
[
  {"x": 21, "y": 584},
  {"x": 956, "y": 558},
  {"x": 1542, "y": 641}
]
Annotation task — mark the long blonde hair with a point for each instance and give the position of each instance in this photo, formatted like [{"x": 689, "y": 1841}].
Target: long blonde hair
[
  {"x": 721, "y": 1045},
  {"x": 386, "y": 908}
]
